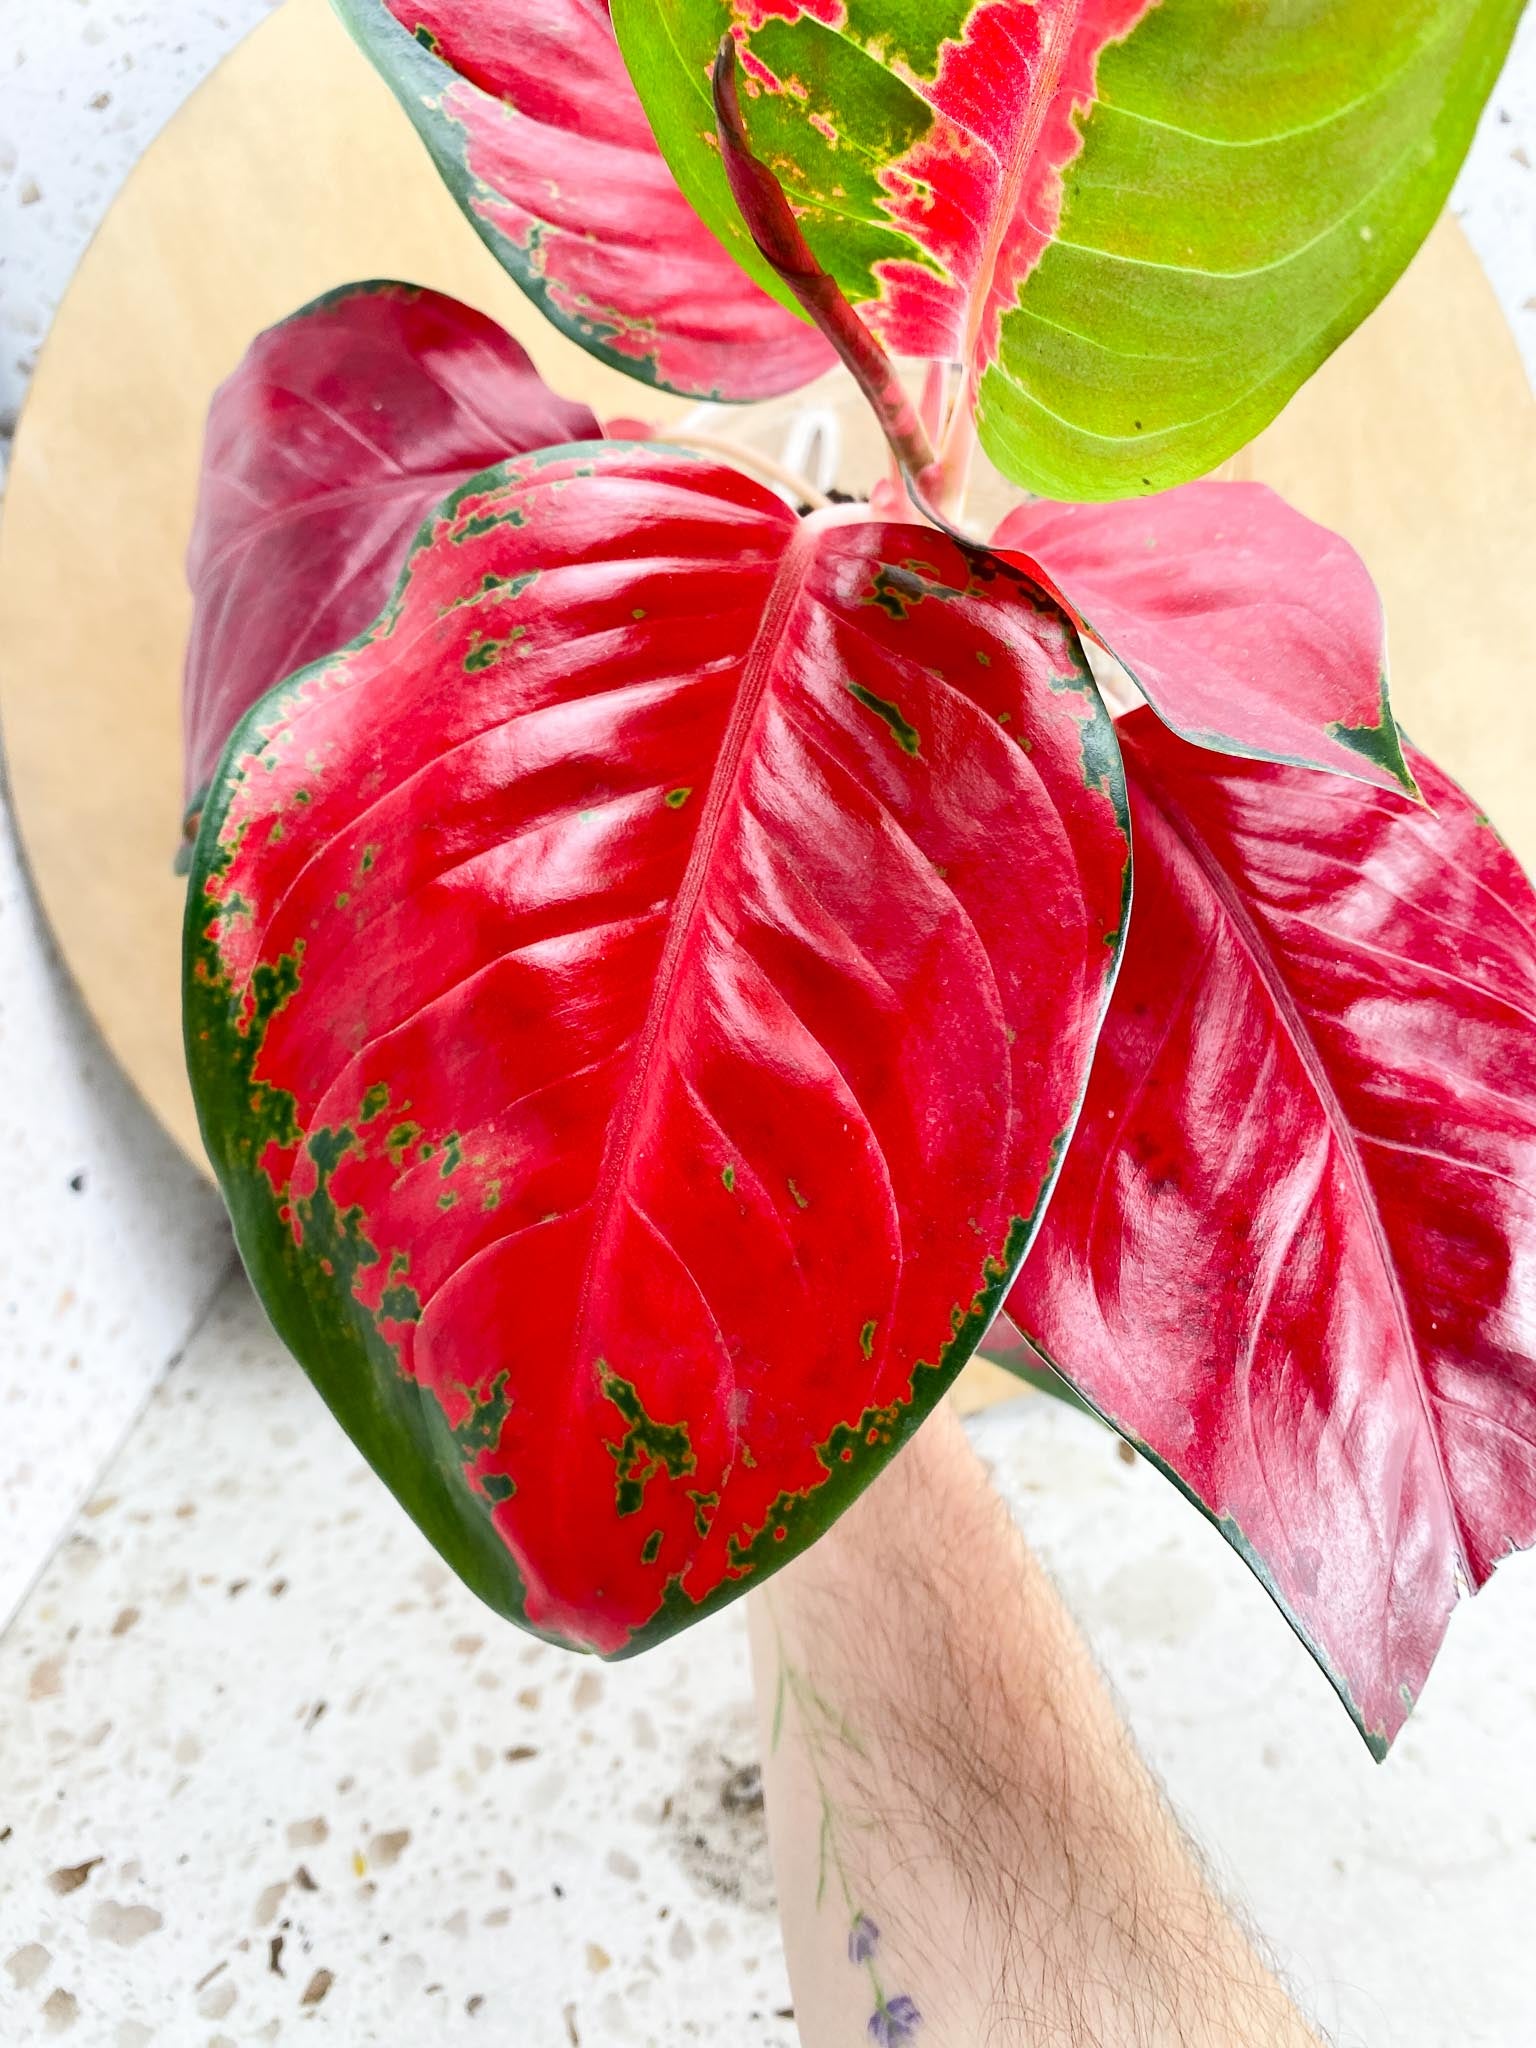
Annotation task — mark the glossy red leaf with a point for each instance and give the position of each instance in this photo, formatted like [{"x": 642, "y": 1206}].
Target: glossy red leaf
[
  {"x": 535, "y": 128},
  {"x": 1248, "y": 627},
  {"x": 1293, "y": 1250},
  {"x": 340, "y": 430},
  {"x": 637, "y": 998}
]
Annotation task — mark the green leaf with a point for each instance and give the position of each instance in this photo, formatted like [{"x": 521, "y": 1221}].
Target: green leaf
[{"x": 1141, "y": 226}]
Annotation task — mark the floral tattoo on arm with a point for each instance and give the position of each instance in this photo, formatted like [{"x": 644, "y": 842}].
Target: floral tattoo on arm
[{"x": 895, "y": 2020}]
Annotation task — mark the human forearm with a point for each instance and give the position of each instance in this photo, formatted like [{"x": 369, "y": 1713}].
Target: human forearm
[{"x": 968, "y": 1848}]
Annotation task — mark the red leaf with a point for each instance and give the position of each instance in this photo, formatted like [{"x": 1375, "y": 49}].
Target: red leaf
[
  {"x": 341, "y": 429},
  {"x": 1291, "y": 1252},
  {"x": 1249, "y": 628},
  {"x": 671, "y": 912},
  {"x": 532, "y": 121}
]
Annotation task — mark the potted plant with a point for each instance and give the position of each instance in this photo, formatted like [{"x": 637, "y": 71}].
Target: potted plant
[{"x": 667, "y": 966}]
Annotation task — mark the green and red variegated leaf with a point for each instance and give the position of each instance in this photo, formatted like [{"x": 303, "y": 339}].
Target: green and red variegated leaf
[
  {"x": 637, "y": 998},
  {"x": 1291, "y": 1253},
  {"x": 531, "y": 119},
  {"x": 1140, "y": 225},
  {"x": 1249, "y": 628},
  {"x": 340, "y": 430}
]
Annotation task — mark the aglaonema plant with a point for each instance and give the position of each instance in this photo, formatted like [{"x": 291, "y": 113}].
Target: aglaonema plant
[{"x": 663, "y": 967}]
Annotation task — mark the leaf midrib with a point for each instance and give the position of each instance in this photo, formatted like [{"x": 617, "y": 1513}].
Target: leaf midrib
[
  {"x": 756, "y": 675},
  {"x": 1001, "y": 227}
]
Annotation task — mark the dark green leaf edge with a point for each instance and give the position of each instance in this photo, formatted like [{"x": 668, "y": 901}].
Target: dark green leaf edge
[
  {"x": 1381, "y": 744},
  {"x": 1042, "y": 1378}
]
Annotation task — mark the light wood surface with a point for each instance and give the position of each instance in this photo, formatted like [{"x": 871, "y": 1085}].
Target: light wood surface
[{"x": 292, "y": 171}]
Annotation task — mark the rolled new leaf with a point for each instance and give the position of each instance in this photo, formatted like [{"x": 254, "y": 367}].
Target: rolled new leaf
[{"x": 770, "y": 221}]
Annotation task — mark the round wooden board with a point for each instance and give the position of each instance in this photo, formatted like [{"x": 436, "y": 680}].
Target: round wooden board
[{"x": 293, "y": 170}]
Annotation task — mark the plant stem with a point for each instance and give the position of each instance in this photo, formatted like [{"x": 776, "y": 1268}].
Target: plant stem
[
  {"x": 751, "y": 458},
  {"x": 956, "y": 450},
  {"x": 931, "y": 405}
]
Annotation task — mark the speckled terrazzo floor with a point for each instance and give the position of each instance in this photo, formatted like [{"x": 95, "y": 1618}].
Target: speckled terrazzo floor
[
  {"x": 267, "y": 1773},
  {"x": 324, "y": 1784}
]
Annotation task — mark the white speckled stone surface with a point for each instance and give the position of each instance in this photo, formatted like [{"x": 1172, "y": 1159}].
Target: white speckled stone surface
[
  {"x": 246, "y": 1664},
  {"x": 312, "y": 1767},
  {"x": 85, "y": 85},
  {"x": 209, "y": 1738},
  {"x": 110, "y": 1246}
]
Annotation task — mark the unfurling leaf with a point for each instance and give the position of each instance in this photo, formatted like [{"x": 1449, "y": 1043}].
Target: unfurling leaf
[
  {"x": 1291, "y": 1253},
  {"x": 531, "y": 119},
  {"x": 769, "y": 219},
  {"x": 637, "y": 999},
  {"x": 340, "y": 430},
  {"x": 1250, "y": 629},
  {"x": 1141, "y": 226}
]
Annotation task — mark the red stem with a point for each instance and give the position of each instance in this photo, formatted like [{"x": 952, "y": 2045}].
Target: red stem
[{"x": 931, "y": 405}]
